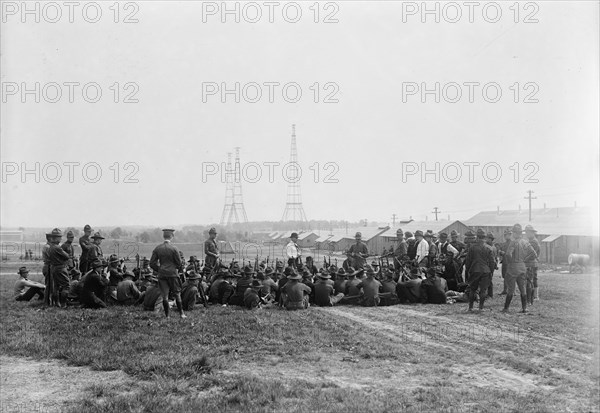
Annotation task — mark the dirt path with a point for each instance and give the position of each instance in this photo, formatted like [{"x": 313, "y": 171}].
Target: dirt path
[
  {"x": 46, "y": 386},
  {"x": 485, "y": 375}
]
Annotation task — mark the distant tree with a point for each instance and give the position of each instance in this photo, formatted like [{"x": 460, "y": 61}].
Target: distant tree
[
  {"x": 144, "y": 237},
  {"x": 116, "y": 233}
]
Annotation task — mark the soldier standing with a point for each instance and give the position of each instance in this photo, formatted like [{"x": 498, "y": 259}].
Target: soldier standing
[
  {"x": 532, "y": 265},
  {"x": 58, "y": 265},
  {"x": 458, "y": 245},
  {"x": 85, "y": 242},
  {"x": 479, "y": 265},
  {"x": 95, "y": 251},
  {"x": 422, "y": 246},
  {"x": 67, "y": 247},
  {"x": 358, "y": 252},
  {"x": 518, "y": 252},
  {"x": 402, "y": 248},
  {"x": 166, "y": 261},
  {"x": 489, "y": 239},
  {"x": 501, "y": 251},
  {"x": 293, "y": 252},
  {"x": 211, "y": 249},
  {"x": 49, "y": 290},
  {"x": 448, "y": 254}
]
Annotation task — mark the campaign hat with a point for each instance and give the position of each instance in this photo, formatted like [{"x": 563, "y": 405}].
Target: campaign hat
[
  {"x": 529, "y": 228},
  {"x": 97, "y": 235},
  {"x": 193, "y": 275},
  {"x": 23, "y": 270}
]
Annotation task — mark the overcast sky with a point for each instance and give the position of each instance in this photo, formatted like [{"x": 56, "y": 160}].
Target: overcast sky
[{"x": 370, "y": 60}]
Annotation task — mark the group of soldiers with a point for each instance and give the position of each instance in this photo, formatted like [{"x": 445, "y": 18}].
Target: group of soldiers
[{"x": 424, "y": 267}]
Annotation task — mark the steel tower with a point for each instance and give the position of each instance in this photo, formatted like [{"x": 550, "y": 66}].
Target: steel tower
[{"x": 293, "y": 206}]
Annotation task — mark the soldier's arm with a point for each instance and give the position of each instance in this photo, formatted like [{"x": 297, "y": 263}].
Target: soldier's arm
[{"x": 154, "y": 261}]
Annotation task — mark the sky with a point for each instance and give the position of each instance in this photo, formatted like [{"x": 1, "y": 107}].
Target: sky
[{"x": 517, "y": 109}]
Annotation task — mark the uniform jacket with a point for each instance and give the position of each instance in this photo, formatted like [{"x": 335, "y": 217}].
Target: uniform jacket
[{"x": 166, "y": 260}]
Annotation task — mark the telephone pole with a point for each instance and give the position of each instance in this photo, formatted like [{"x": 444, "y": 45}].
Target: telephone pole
[
  {"x": 529, "y": 197},
  {"x": 393, "y": 220},
  {"x": 436, "y": 211}
]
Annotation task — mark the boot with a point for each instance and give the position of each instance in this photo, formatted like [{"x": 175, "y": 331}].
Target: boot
[
  {"x": 166, "y": 307},
  {"x": 535, "y": 293},
  {"x": 524, "y": 304},
  {"x": 481, "y": 301},
  {"x": 507, "y": 302}
]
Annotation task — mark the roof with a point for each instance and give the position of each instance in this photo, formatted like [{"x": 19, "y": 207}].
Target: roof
[
  {"x": 323, "y": 238},
  {"x": 564, "y": 221},
  {"x": 435, "y": 226},
  {"x": 551, "y": 238},
  {"x": 304, "y": 235}
]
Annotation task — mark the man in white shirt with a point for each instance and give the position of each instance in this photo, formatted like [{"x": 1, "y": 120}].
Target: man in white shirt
[
  {"x": 292, "y": 250},
  {"x": 422, "y": 248}
]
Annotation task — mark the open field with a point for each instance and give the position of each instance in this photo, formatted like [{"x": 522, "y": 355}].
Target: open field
[{"x": 420, "y": 358}]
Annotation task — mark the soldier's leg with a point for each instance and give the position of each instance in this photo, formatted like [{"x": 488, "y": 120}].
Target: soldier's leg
[
  {"x": 535, "y": 284},
  {"x": 474, "y": 281},
  {"x": 510, "y": 290},
  {"x": 176, "y": 288},
  {"x": 60, "y": 277},
  {"x": 521, "y": 281},
  {"x": 163, "y": 284},
  {"x": 490, "y": 290},
  {"x": 503, "y": 270},
  {"x": 484, "y": 286}
]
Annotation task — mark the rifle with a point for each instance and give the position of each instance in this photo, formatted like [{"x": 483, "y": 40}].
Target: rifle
[{"x": 256, "y": 263}]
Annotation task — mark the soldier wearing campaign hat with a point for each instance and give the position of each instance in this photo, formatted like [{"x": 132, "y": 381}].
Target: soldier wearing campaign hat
[
  {"x": 422, "y": 248},
  {"x": 358, "y": 252},
  {"x": 67, "y": 247},
  {"x": 455, "y": 242},
  {"x": 519, "y": 252},
  {"x": 85, "y": 242},
  {"x": 59, "y": 268},
  {"x": 479, "y": 265},
  {"x": 211, "y": 249},
  {"x": 402, "y": 247},
  {"x": 532, "y": 265},
  {"x": 95, "y": 250},
  {"x": 502, "y": 248},
  {"x": 93, "y": 286},
  {"x": 166, "y": 261}
]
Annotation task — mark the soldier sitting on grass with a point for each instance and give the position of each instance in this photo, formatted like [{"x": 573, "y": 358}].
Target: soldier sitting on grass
[
  {"x": 370, "y": 288},
  {"x": 252, "y": 299},
  {"x": 127, "y": 292},
  {"x": 153, "y": 297},
  {"x": 93, "y": 290},
  {"x": 26, "y": 289},
  {"x": 294, "y": 294},
  {"x": 189, "y": 291}
]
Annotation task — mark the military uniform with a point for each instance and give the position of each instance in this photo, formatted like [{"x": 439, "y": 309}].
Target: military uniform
[
  {"x": 479, "y": 265},
  {"x": 211, "y": 250},
  {"x": 67, "y": 247},
  {"x": 93, "y": 290},
  {"x": 518, "y": 252},
  {"x": 358, "y": 253},
  {"x": 49, "y": 290},
  {"x": 85, "y": 242},
  {"x": 532, "y": 265},
  {"x": 370, "y": 289},
  {"x": 58, "y": 268},
  {"x": 166, "y": 261}
]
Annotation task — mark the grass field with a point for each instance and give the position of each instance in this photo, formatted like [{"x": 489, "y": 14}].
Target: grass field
[{"x": 419, "y": 358}]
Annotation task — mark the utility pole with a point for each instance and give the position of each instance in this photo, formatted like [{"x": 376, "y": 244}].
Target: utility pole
[
  {"x": 529, "y": 197},
  {"x": 436, "y": 211},
  {"x": 393, "y": 220}
]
